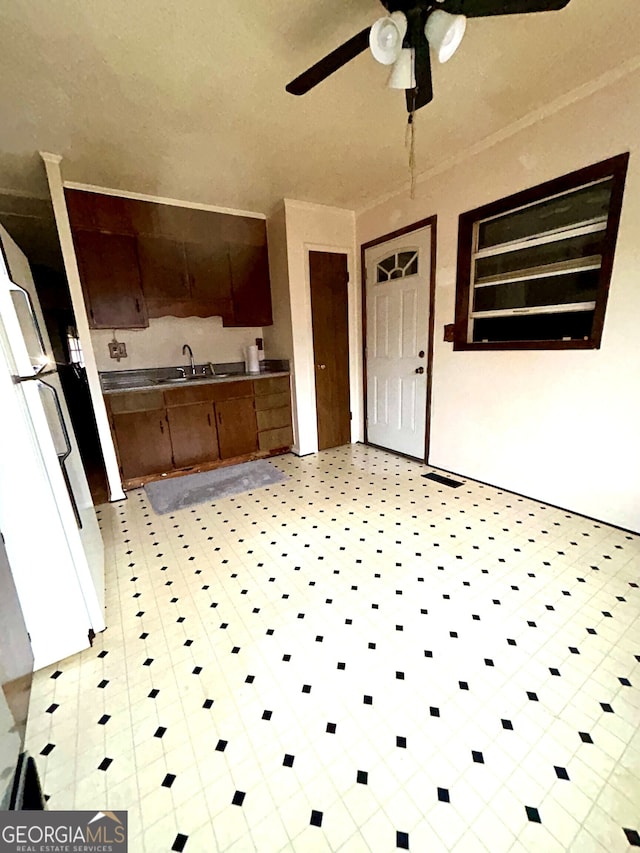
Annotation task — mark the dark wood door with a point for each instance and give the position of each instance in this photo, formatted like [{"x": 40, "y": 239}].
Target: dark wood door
[
  {"x": 143, "y": 441},
  {"x": 250, "y": 284},
  {"x": 237, "y": 427},
  {"x": 193, "y": 434},
  {"x": 210, "y": 278},
  {"x": 108, "y": 266},
  {"x": 329, "y": 308}
]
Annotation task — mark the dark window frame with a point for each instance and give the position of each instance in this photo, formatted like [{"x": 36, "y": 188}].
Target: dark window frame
[{"x": 615, "y": 167}]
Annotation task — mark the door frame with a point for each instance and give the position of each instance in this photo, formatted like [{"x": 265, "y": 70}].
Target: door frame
[{"x": 432, "y": 223}]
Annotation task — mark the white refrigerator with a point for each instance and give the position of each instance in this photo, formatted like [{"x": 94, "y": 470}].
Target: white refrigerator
[{"x": 47, "y": 518}]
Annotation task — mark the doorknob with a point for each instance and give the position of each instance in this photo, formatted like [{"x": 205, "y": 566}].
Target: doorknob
[
  {"x": 419, "y": 369},
  {"x": 421, "y": 354},
  {"x": 321, "y": 366}
]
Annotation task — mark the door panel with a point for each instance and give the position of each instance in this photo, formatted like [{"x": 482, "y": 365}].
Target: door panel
[
  {"x": 162, "y": 268},
  {"x": 329, "y": 306},
  {"x": 237, "y": 427},
  {"x": 210, "y": 277},
  {"x": 193, "y": 434},
  {"x": 108, "y": 266},
  {"x": 143, "y": 443},
  {"x": 397, "y": 309},
  {"x": 250, "y": 284}
]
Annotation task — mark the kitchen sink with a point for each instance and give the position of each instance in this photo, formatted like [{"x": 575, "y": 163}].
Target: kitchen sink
[{"x": 198, "y": 378}]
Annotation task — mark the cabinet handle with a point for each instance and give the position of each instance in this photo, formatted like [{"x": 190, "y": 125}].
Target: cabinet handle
[
  {"x": 209, "y": 419},
  {"x": 220, "y": 418},
  {"x": 138, "y": 306}
]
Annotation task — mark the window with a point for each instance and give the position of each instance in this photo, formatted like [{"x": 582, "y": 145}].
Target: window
[
  {"x": 75, "y": 348},
  {"x": 398, "y": 265},
  {"x": 534, "y": 268}
]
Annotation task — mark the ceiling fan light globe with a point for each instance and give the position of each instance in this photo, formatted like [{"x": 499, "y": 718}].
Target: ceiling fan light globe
[
  {"x": 385, "y": 38},
  {"x": 403, "y": 74},
  {"x": 444, "y": 32}
]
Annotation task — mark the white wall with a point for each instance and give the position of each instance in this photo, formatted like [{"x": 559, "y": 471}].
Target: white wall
[
  {"x": 560, "y": 426},
  {"x": 160, "y": 345},
  {"x": 278, "y": 338},
  {"x": 316, "y": 227}
]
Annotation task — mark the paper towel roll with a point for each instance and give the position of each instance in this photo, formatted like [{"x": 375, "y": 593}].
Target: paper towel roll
[{"x": 252, "y": 363}]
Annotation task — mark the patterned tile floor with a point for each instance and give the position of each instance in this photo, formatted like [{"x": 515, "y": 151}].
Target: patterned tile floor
[{"x": 357, "y": 659}]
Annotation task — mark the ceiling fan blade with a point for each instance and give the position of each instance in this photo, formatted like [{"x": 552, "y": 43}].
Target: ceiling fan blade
[
  {"x": 423, "y": 92},
  {"x": 330, "y": 64},
  {"x": 486, "y": 8}
]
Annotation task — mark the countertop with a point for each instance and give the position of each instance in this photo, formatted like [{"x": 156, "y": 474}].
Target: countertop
[
  {"x": 162, "y": 378},
  {"x": 179, "y": 382}
]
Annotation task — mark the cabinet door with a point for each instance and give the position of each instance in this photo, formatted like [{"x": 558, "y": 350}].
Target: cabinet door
[
  {"x": 108, "y": 266},
  {"x": 163, "y": 273},
  {"x": 210, "y": 278},
  {"x": 250, "y": 285},
  {"x": 237, "y": 429},
  {"x": 144, "y": 446},
  {"x": 193, "y": 434}
]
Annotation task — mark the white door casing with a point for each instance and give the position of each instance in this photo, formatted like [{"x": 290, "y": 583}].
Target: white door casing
[{"x": 398, "y": 277}]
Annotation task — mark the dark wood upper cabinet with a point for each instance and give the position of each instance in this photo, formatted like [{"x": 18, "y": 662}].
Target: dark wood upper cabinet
[
  {"x": 108, "y": 266},
  {"x": 189, "y": 262},
  {"x": 163, "y": 273},
  {"x": 250, "y": 285},
  {"x": 209, "y": 274}
]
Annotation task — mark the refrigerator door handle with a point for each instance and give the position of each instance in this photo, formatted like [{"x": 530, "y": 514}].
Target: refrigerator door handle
[
  {"x": 22, "y": 291},
  {"x": 62, "y": 457},
  {"x": 63, "y": 426}
]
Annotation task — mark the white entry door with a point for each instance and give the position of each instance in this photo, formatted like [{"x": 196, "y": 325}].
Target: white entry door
[{"x": 398, "y": 278}]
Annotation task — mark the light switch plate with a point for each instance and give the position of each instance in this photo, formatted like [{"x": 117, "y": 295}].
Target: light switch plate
[{"x": 117, "y": 350}]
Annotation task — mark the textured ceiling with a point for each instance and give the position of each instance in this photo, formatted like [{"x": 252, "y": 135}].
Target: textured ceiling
[{"x": 187, "y": 99}]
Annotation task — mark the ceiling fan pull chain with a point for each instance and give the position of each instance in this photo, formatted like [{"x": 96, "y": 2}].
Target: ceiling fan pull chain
[{"x": 410, "y": 143}]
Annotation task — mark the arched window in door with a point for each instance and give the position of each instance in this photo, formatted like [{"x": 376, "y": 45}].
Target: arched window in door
[{"x": 398, "y": 265}]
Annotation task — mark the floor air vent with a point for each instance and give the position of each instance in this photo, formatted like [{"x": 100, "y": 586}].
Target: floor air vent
[{"x": 444, "y": 481}]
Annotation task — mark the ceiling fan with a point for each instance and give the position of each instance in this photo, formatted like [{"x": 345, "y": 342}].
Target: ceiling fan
[{"x": 404, "y": 37}]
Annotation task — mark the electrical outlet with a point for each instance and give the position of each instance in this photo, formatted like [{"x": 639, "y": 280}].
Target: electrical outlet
[{"x": 122, "y": 350}]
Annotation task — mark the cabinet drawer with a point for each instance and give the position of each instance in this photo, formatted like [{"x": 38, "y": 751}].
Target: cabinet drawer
[
  {"x": 275, "y": 385},
  {"x": 273, "y": 439},
  {"x": 139, "y": 401},
  {"x": 184, "y": 396},
  {"x": 272, "y": 401},
  {"x": 273, "y": 418},
  {"x": 233, "y": 390}
]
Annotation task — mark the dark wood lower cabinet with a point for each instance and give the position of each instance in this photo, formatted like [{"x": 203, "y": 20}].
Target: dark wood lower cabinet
[
  {"x": 163, "y": 431},
  {"x": 144, "y": 445},
  {"x": 193, "y": 434},
  {"x": 237, "y": 428}
]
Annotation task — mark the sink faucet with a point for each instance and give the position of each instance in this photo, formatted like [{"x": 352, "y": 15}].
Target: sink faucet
[{"x": 187, "y": 349}]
